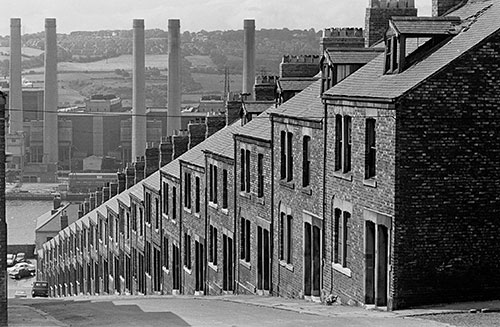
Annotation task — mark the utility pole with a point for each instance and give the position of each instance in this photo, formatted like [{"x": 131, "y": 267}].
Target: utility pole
[{"x": 3, "y": 224}]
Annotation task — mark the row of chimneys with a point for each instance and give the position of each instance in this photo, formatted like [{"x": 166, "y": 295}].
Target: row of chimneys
[{"x": 155, "y": 157}]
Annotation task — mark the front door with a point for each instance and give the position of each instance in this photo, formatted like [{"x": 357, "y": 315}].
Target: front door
[{"x": 376, "y": 263}]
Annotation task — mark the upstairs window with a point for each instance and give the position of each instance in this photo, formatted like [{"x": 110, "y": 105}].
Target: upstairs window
[
  {"x": 343, "y": 143},
  {"x": 165, "y": 198},
  {"x": 197, "y": 195},
  {"x": 245, "y": 171},
  {"x": 306, "y": 163},
  {"x": 187, "y": 190},
  {"x": 174, "y": 202},
  {"x": 371, "y": 151},
  {"x": 213, "y": 184},
  {"x": 224, "y": 188},
  {"x": 286, "y": 238},
  {"x": 260, "y": 175},
  {"x": 148, "y": 208},
  {"x": 286, "y": 156}
]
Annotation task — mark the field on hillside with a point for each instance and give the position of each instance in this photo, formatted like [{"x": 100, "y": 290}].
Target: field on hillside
[
  {"x": 125, "y": 62},
  {"x": 29, "y": 52},
  {"x": 213, "y": 83}
]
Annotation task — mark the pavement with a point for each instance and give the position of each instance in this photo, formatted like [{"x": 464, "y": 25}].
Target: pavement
[{"x": 21, "y": 313}]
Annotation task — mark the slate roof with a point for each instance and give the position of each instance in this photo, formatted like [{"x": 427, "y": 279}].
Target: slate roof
[
  {"x": 480, "y": 20},
  {"x": 257, "y": 107},
  {"x": 305, "y": 105},
  {"x": 224, "y": 144},
  {"x": 426, "y": 25},
  {"x": 295, "y": 84},
  {"x": 259, "y": 127},
  {"x": 353, "y": 56},
  {"x": 153, "y": 180},
  {"x": 195, "y": 155}
]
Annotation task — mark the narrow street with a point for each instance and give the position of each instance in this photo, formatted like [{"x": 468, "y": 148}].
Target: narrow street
[{"x": 189, "y": 311}]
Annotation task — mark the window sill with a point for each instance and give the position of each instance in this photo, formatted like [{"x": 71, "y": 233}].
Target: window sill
[
  {"x": 306, "y": 190},
  {"x": 225, "y": 211},
  {"x": 370, "y": 182},
  {"x": 345, "y": 176},
  {"x": 214, "y": 267},
  {"x": 245, "y": 194},
  {"x": 157, "y": 231},
  {"x": 165, "y": 270},
  {"x": 260, "y": 200},
  {"x": 343, "y": 270},
  {"x": 189, "y": 271},
  {"x": 288, "y": 266},
  {"x": 287, "y": 184},
  {"x": 174, "y": 221},
  {"x": 188, "y": 210},
  {"x": 164, "y": 215},
  {"x": 197, "y": 214},
  {"x": 245, "y": 264},
  {"x": 213, "y": 205}
]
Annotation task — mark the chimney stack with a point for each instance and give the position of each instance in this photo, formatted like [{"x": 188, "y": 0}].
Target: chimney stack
[
  {"x": 214, "y": 122},
  {"x": 378, "y": 15},
  {"x": 15, "y": 79},
  {"x": 86, "y": 206},
  {"x": 50, "y": 134},
  {"x": 130, "y": 176},
  {"x": 441, "y": 7},
  {"x": 113, "y": 189},
  {"x": 174, "y": 77},
  {"x": 122, "y": 184},
  {"x": 92, "y": 201},
  {"x": 180, "y": 144},
  {"x": 105, "y": 193},
  {"x": 152, "y": 160},
  {"x": 197, "y": 133},
  {"x": 138, "y": 91},
  {"x": 139, "y": 166},
  {"x": 81, "y": 210},
  {"x": 57, "y": 201},
  {"x": 249, "y": 57},
  {"x": 98, "y": 198},
  {"x": 336, "y": 38},
  {"x": 265, "y": 87},
  {"x": 166, "y": 150}
]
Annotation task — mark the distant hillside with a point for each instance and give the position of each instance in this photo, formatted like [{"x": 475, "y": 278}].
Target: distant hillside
[{"x": 210, "y": 51}]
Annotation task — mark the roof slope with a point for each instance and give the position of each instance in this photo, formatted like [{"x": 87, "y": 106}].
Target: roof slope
[
  {"x": 480, "y": 20},
  {"x": 195, "y": 156},
  {"x": 305, "y": 105}
]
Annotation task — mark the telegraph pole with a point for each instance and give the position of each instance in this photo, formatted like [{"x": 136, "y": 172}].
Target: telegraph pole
[{"x": 3, "y": 224}]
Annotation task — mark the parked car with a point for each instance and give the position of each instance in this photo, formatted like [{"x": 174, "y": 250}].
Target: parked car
[
  {"x": 40, "y": 288},
  {"x": 10, "y": 259},
  {"x": 27, "y": 264},
  {"x": 20, "y": 273},
  {"x": 20, "y": 257}
]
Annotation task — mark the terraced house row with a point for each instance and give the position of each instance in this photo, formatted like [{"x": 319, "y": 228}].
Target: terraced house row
[{"x": 376, "y": 183}]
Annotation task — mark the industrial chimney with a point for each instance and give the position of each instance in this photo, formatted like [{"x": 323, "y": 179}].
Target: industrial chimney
[
  {"x": 138, "y": 89},
  {"x": 249, "y": 57},
  {"x": 50, "y": 136},
  {"x": 174, "y": 77},
  {"x": 15, "y": 82}
]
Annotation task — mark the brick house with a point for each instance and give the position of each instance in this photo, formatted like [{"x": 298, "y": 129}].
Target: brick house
[
  {"x": 377, "y": 183},
  {"x": 412, "y": 176},
  {"x": 253, "y": 206}
]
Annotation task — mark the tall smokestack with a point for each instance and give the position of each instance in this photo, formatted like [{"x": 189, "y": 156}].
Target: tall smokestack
[
  {"x": 15, "y": 83},
  {"x": 50, "y": 137},
  {"x": 174, "y": 77},
  {"x": 249, "y": 57},
  {"x": 139, "y": 95}
]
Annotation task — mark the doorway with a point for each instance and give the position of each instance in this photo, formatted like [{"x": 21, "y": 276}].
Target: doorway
[{"x": 376, "y": 263}]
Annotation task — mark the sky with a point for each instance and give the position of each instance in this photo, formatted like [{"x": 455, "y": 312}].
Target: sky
[{"x": 195, "y": 15}]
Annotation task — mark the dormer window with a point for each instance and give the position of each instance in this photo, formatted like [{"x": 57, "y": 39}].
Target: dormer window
[{"x": 425, "y": 34}]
